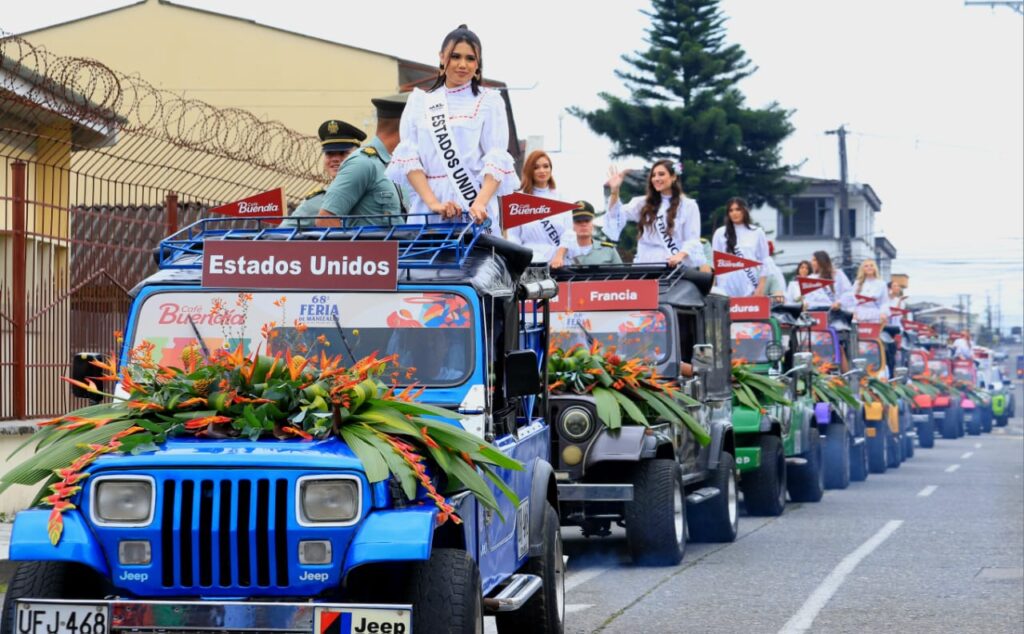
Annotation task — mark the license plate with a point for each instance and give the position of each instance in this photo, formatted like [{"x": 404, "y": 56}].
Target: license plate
[
  {"x": 362, "y": 621},
  {"x": 62, "y": 618}
]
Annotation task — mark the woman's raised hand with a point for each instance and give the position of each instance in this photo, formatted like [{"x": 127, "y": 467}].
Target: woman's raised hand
[{"x": 615, "y": 178}]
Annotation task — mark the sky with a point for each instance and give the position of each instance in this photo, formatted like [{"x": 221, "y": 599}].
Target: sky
[{"x": 931, "y": 90}]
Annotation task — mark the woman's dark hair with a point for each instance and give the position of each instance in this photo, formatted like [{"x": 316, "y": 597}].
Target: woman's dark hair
[
  {"x": 810, "y": 269},
  {"x": 824, "y": 264},
  {"x": 458, "y": 36},
  {"x": 730, "y": 228},
  {"x": 653, "y": 200}
]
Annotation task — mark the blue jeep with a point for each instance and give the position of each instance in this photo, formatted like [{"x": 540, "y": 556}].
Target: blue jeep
[{"x": 291, "y": 536}]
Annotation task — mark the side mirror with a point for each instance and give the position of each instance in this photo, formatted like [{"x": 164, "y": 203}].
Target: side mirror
[
  {"x": 703, "y": 357},
  {"x": 774, "y": 351},
  {"x": 83, "y": 370},
  {"x": 917, "y": 367},
  {"x": 860, "y": 364},
  {"x": 805, "y": 359},
  {"x": 900, "y": 374},
  {"x": 522, "y": 376}
]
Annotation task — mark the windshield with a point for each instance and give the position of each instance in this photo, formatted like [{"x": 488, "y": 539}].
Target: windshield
[
  {"x": 938, "y": 368},
  {"x": 432, "y": 333},
  {"x": 749, "y": 340},
  {"x": 872, "y": 352},
  {"x": 963, "y": 374},
  {"x": 635, "y": 334},
  {"x": 822, "y": 345}
]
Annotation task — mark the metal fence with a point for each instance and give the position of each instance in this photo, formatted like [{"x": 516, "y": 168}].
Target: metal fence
[{"x": 95, "y": 168}]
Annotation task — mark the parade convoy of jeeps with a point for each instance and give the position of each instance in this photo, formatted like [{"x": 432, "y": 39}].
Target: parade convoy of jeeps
[{"x": 302, "y": 527}]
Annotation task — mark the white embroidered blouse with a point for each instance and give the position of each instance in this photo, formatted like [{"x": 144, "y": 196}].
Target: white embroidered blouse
[
  {"x": 479, "y": 128},
  {"x": 652, "y": 244}
]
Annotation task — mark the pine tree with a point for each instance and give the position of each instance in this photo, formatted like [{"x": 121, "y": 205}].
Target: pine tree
[{"x": 686, "y": 107}]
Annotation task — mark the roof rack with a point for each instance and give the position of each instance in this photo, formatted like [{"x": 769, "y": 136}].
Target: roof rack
[
  {"x": 666, "y": 276},
  {"x": 442, "y": 245}
]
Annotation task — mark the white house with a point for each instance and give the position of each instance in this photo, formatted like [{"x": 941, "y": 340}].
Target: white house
[{"x": 814, "y": 225}]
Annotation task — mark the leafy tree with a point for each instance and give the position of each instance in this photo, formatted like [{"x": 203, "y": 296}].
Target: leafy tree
[{"x": 686, "y": 107}]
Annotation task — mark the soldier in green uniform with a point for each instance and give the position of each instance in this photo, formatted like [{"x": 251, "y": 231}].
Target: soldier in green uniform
[
  {"x": 361, "y": 194},
  {"x": 586, "y": 251},
  {"x": 338, "y": 139}
]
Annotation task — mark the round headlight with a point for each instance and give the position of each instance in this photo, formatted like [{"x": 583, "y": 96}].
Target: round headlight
[
  {"x": 774, "y": 351},
  {"x": 123, "y": 501},
  {"x": 332, "y": 501},
  {"x": 576, "y": 423}
]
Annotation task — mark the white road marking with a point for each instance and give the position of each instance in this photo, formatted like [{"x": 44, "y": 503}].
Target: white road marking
[
  {"x": 977, "y": 445},
  {"x": 802, "y": 620},
  {"x": 581, "y": 577},
  {"x": 577, "y": 607},
  {"x": 951, "y": 468},
  {"x": 967, "y": 454},
  {"x": 928, "y": 490}
]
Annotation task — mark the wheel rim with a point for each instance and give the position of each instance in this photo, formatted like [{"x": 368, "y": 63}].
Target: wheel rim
[
  {"x": 780, "y": 463},
  {"x": 679, "y": 513},
  {"x": 559, "y": 580},
  {"x": 733, "y": 499}
]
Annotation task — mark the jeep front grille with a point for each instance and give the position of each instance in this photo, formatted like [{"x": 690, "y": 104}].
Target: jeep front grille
[{"x": 224, "y": 533}]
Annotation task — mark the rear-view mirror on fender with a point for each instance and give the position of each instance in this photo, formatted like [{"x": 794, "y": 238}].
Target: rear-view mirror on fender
[
  {"x": 522, "y": 376},
  {"x": 83, "y": 371}
]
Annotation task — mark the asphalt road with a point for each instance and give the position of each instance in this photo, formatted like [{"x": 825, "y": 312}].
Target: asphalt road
[{"x": 934, "y": 546}]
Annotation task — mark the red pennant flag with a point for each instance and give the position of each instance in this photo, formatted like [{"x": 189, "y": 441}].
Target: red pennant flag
[
  {"x": 811, "y": 284},
  {"x": 267, "y": 204},
  {"x": 727, "y": 263},
  {"x": 863, "y": 299},
  {"x": 896, "y": 310},
  {"x": 519, "y": 209}
]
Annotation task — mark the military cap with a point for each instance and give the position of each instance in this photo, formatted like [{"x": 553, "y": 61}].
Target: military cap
[
  {"x": 338, "y": 136},
  {"x": 390, "y": 107},
  {"x": 583, "y": 211}
]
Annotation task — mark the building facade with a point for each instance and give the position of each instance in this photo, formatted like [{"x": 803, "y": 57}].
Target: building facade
[{"x": 814, "y": 225}]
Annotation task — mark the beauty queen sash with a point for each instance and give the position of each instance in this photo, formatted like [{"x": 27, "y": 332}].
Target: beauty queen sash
[
  {"x": 661, "y": 224},
  {"x": 444, "y": 142}
]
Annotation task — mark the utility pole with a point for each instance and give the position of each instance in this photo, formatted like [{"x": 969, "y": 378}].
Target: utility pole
[
  {"x": 988, "y": 313},
  {"x": 968, "y": 315},
  {"x": 960, "y": 312},
  {"x": 844, "y": 201}
]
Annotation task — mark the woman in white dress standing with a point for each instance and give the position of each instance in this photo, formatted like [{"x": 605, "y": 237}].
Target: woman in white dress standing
[
  {"x": 454, "y": 141},
  {"x": 669, "y": 222},
  {"x": 835, "y": 296},
  {"x": 738, "y": 237},
  {"x": 552, "y": 237},
  {"x": 793, "y": 293},
  {"x": 870, "y": 294}
]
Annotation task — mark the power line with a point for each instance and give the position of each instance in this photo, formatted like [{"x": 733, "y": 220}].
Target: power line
[{"x": 1015, "y": 6}]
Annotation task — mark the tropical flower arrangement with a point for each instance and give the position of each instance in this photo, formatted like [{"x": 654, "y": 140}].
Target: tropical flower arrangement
[
  {"x": 624, "y": 390},
  {"x": 830, "y": 388},
  {"x": 754, "y": 390},
  {"x": 873, "y": 389},
  {"x": 228, "y": 394}
]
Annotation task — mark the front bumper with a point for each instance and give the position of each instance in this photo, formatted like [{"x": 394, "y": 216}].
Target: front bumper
[
  {"x": 219, "y": 616},
  {"x": 579, "y": 492}
]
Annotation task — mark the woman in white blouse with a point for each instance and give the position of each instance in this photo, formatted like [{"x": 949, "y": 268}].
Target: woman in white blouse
[
  {"x": 870, "y": 295},
  {"x": 454, "y": 140},
  {"x": 835, "y": 296},
  {"x": 669, "y": 222},
  {"x": 793, "y": 293},
  {"x": 549, "y": 238},
  {"x": 738, "y": 237}
]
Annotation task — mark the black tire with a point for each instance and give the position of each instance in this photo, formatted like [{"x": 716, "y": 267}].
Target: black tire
[
  {"x": 764, "y": 490},
  {"x": 717, "y": 520},
  {"x": 859, "y": 462},
  {"x": 1002, "y": 421},
  {"x": 926, "y": 432},
  {"x": 986, "y": 420},
  {"x": 656, "y": 518},
  {"x": 837, "y": 456},
  {"x": 961, "y": 430},
  {"x": 973, "y": 422},
  {"x": 908, "y": 447},
  {"x": 894, "y": 450},
  {"x": 545, "y": 611},
  {"x": 49, "y": 580},
  {"x": 806, "y": 482},
  {"x": 446, "y": 593},
  {"x": 949, "y": 426},
  {"x": 878, "y": 448}
]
